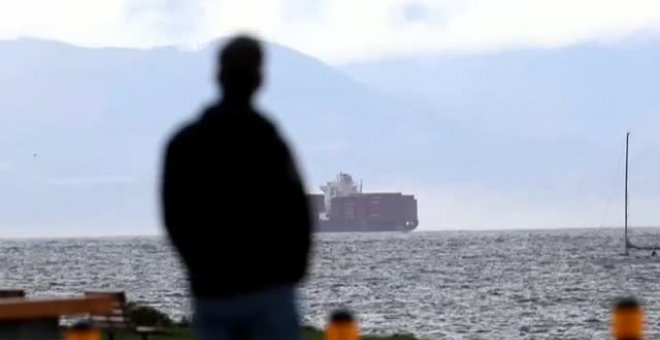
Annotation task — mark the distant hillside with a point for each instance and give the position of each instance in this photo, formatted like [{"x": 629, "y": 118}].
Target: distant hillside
[
  {"x": 517, "y": 139},
  {"x": 538, "y": 92},
  {"x": 543, "y": 126},
  {"x": 82, "y": 128}
]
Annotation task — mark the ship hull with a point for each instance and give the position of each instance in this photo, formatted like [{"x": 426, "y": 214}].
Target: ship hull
[
  {"x": 330, "y": 227},
  {"x": 365, "y": 212}
]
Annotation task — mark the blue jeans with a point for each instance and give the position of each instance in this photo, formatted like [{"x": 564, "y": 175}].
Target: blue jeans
[{"x": 266, "y": 315}]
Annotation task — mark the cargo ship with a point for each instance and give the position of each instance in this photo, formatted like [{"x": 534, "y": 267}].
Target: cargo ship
[{"x": 343, "y": 207}]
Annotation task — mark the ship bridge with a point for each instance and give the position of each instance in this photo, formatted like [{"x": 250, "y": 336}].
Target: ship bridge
[{"x": 342, "y": 186}]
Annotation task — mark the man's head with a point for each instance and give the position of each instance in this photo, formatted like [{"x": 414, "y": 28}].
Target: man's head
[{"x": 240, "y": 68}]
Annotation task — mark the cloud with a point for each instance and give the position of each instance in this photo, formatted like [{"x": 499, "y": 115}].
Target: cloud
[
  {"x": 92, "y": 180},
  {"x": 175, "y": 20},
  {"x": 414, "y": 12},
  {"x": 337, "y": 30},
  {"x": 71, "y": 20},
  {"x": 129, "y": 23}
]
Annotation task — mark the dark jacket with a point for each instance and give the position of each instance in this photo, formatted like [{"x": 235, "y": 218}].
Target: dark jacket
[{"x": 234, "y": 205}]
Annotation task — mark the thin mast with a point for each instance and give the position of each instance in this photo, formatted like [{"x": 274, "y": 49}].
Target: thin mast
[{"x": 626, "y": 193}]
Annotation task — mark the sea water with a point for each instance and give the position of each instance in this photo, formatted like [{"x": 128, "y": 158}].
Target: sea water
[{"x": 438, "y": 285}]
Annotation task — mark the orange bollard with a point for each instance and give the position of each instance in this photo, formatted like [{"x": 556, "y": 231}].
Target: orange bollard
[
  {"x": 83, "y": 331},
  {"x": 628, "y": 320},
  {"x": 342, "y": 326}
]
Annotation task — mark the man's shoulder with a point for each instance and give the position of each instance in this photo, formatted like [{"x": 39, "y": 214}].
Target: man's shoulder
[
  {"x": 257, "y": 118},
  {"x": 218, "y": 122},
  {"x": 184, "y": 136},
  {"x": 265, "y": 122},
  {"x": 189, "y": 130},
  {"x": 185, "y": 132},
  {"x": 252, "y": 121}
]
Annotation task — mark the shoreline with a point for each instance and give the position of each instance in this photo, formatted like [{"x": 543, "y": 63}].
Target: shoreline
[
  {"x": 416, "y": 231},
  {"x": 181, "y": 329},
  {"x": 308, "y": 333}
]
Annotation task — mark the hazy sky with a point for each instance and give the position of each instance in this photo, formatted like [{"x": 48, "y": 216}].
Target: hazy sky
[
  {"x": 344, "y": 31},
  {"x": 337, "y": 30}
]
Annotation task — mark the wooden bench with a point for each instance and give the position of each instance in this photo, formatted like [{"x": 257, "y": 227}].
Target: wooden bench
[
  {"x": 12, "y": 293},
  {"x": 118, "y": 320},
  {"x": 38, "y": 319}
]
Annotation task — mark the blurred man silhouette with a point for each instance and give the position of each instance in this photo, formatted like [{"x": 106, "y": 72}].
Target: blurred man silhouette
[{"x": 235, "y": 209}]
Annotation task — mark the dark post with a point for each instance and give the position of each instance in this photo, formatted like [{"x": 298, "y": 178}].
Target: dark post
[{"x": 626, "y": 193}]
